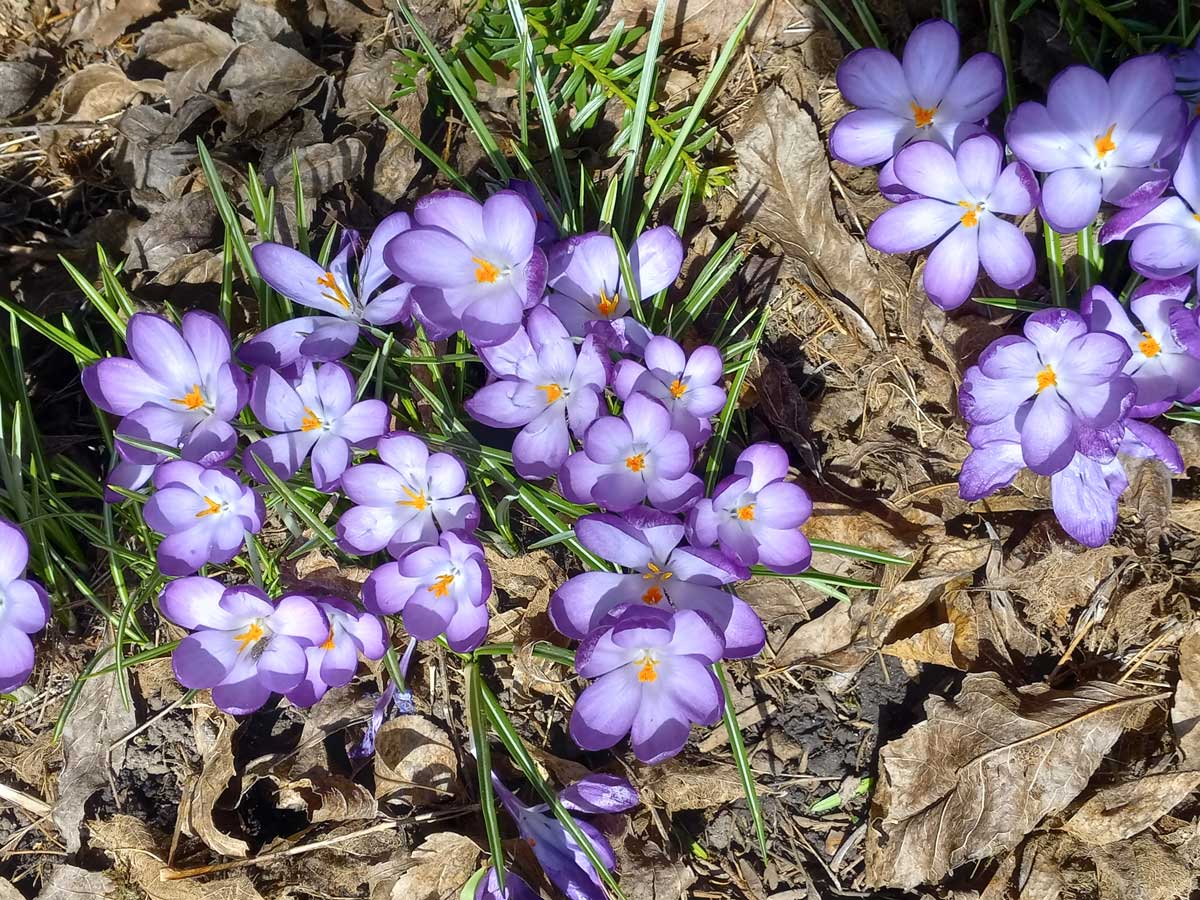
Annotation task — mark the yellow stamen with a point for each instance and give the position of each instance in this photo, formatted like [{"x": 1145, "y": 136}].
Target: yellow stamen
[
  {"x": 1105, "y": 144},
  {"x": 328, "y": 645},
  {"x": 441, "y": 587},
  {"x": 971, "y": 217},
  {"x": 1046, "y": 378},
  {"x": 655, "y": 572},
  {"x": 677, "y": 388},
  {"x": 922, "y": 115},
  {"x": 746, "y": 513},
  {"x": 635, "y": 463},
  {"x": 311, "y": 421},
  {"x": 335, "y": 292},
  {"x": 1149, "y": 346},
  {"x": 249, "y": 636},
  {"x": 193, "y": 399},
  {"x": 416, "y": 501},
  {"x": 486, "y": 273},
  {"x": 608, "y": 305},
  {"x": 653, "y": 595},
  {"x": 1196, "y": 216},
  {"x": 647, "y": 673},
  {"x": 553, "y": 392},
  {"x": 212, "y": 508}
]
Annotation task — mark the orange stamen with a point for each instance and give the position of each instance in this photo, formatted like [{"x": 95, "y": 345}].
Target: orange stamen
[
  {"x": 441, "y": 587},
  {"x": 971, "y": 217},
  {"x": 1105, "y": 144},
  {"x": 746, "y": 513},
  {"x": 212, "y": 508},
  {"x": 416, "y": 501},
  {"x": 311, "y": 421},
  {"x": 608, "y": 305},
  {"x": 653, "y": 595},
  {"x": 922, "y": 115},
  {"x": 486, "y": 273},
  {"x": 328, "y": 645},
  {"x": 1046, "y": 378},
  {"x": 249, "y": 636},
  {"x": 335, "y": 292},
  {"x": 677, "y": 388},
  {"x": 647, "y": 673},
  {"x": 635, "y": 463},
  {"x": 1149, "y": 346},
  {"x": 553, "y": 392},
  {"x": 193, "y": 399}
]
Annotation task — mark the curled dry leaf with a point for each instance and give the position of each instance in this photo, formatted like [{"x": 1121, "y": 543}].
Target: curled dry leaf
[
  {"x": 1185, "y": 708},
  {"x": 983, "y": 771},
  {"x": 438, "y": 868},
  {"x": 18, "y": 83},
  {"x": 414, "y": 762},
  {"x": 1122, "y": 810},
  {"x": 66, "y": 882},
  {"x": 204, "y": 794},
  {"x": 100, "y": 90},
  {"x": 192, "y": 50},
  {"x": 676, "y": 785},
  {"x": 327, "y": 797}
]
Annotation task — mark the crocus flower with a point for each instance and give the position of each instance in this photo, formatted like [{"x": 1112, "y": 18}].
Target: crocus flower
[
  {"x": 631, "y": 458},
  {"x": 349, "y": 303},
  {"x": 24, "y": 609},
  {"x": 755, "y": 514},
  {"x": 392, "y": 702},
  {"x": 688, "y": 386},
  {"x": 648, "y": 544},
  {"x": 585, "y": 278},
  {"x": 546, "y": 232},
  {"x": 1162, "y": 369},
  {"x": 1074, "y": 377},
  {"x": 652, "y": 681},
  {"x": 562, "y": 859},
  {"x": 317, "y": 414},
  {"x": 203, "y": 513},
  {"x": 436, "y": 589},
  {"x": 1185, "y": 66},
  {"x": 334, "y": 661},
  {"x": 543, "y": 385},
  {"x": 927, "y": 97},
  {"x": 957, "y": 203},
  {"x": 405, "y": 498},
  {"x": 475, "y": 265},
  {"x": 515, "y": 888},
  {"x": 179, "y": 387},
  {"x": 1099, "y": 139},
  {"x": 242, "y": 646}
]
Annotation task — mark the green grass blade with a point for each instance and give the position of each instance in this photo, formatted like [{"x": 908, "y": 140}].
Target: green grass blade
[
  {"x": 425, "y": 150},
  {"x": 298, "y": 506},
  {"x": 630, "y": 180},
  {"x": 721, "y": 432},
  {"x": 853, "y": 551},
  {"x": 477, "y": 716},
  {"x": 737, "y": 746}
]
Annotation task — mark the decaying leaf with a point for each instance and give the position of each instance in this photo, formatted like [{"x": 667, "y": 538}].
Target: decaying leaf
[
  {"x": 414, "y": 762},
  {"x": 439, "y": 868},
  {"x": 66, "y": 882},
  {"x": 983, "y": 771},
  {"x": 702, "y": 26},
  {"x": 8, "y": 892},
  {"x": 1122, "y": 810},
  {"x": 204, "y": 794},
  {"x": 327, "y": 797},
  {"x": 18, "y": 82},
  {"x": 677, "y": 786},
  {"x": 100, "y": 22},
  {"x": 192, "y": 50},
  {"x": 101, "y": 90},
  {"x": 1060, "y": 581},
  {"x": 1185, "y": 708}
]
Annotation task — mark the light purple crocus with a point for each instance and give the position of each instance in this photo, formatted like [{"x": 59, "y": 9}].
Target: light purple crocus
[
  {"x": 242, "y": 646},
  {"x": 652, "y": 681},
  {"x": 647, "y": 543},
  {"x": 631, "y": 458},
  {"x": 1162, "y": 369},
  {"x": 204, "y": 515},
  {"x": 404, "y": 499},
  {"x": 316, "y": 414},
  {"x": 1099, "y": 139},
  {"x": 543, "y": 385},
  {"x": 1074, "y": 377},
  {"x": 24, "y": 609},
  {"x": 586, "y": 287},
  {"x": 350, "y": 302},
  {"x": 515, "y": 888},
  {"x": 688, "y": 386},
  {"x": 927, "y": 97},
  {"x": 476, "y": 266},
  {"x": 179, "y": 387},
  {"x": 333, "y": 662},
  {"x": 1185, "y": 66},
  {"x": 957, "y": 203},
  {"x": 546, "y": 232},
  {"x": 562, "y": 859},
  {"x": 755, "y": 514},
  {"x": 437, "y": 589}
]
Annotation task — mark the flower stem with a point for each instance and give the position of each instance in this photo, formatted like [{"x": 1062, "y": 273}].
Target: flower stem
[
  {"x": 1000, "y": 37},
  {"x": 1091, "y": 261},
  {"x": 477, "y": 717},
  {"x": 1054, "y": 265}
]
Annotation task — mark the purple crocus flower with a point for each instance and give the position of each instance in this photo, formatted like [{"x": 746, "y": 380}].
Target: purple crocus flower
[
  {"x": 203, "y": 513},
  {"x": 316, "y": 414},
  {"x": 24, "y": 609},
  {"x": 543, "y": 385},
  {"x": 1161, "y": 368},
  {"x": 179, "y": 387},
  {"x": 349, "y": 303},
  {"x": 437, "y": 589},
  {"x": 631, "y": 458},
  {"x": 755, "y": 514},
  {"x": 562, "y": 859},
  {"x": 1185, "y": 66},
  {"x": 958, "y": 201},
  {"x": 546, "y": 232},
  {"x": 1074, "y": 377},
  {"x": 1099, "y": 139},
  {"x": 475, "y": 265},
  {"x": 334, "y": 661},
  {"x": 688, "y": 386},
  {"x": 405, "y": 498},
  {"x": 652, "y": 680},
  {"x": 647, "y": 543},
  {"x": 515, "y": 888},
  {"x": 927, "y": 97},
  {"x": 242, "y": 646},
  {"x": 585, "y": 279}
]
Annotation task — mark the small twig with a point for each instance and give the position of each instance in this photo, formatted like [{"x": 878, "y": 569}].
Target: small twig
[
  {"x": 31, "y": 805},
  {"x": 128, "y": 736}
]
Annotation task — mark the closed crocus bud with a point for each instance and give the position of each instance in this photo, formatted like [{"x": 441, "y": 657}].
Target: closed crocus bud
[{"x": 24, "y": 609}]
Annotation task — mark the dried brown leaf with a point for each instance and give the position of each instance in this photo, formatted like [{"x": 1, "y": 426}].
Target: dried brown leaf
[
  {"x": 101, "y": 90},
  {"x": 8, "y": 892},
  {"x": 677, "y": 785},
  {"x": 66, "y": 882},
  {"x": 101, "y": 22},
  {"x": 414, "y": 762},
  {"x": 1063, "y": 579},
  {"x": 327, "y": 797},
  {"x": 703, "y": 26},
  {"x": 205, "y": 791},
  {"x": 440, "y": 867},
  {"x": 194, "y": 51},
  {"x": 1185, "y": 708},
  {"x": 18, "y": 83},
  {"x": 1120, "y": 811}
]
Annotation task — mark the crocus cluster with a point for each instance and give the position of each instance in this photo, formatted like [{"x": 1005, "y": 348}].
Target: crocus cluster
[{"x": 24, "y": 608}]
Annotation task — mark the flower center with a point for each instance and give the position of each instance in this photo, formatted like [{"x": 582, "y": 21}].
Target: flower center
[
  {"x": 311, "y": 421},
  {"x": 608, "y": 305},
  {"x": 677, "y": 388},
  {"x": 415, "y": 499},
  {"x": 441, "y": 586},
  {"x": 647, "y": 673},
  {"x": 656, "y": 571},
  {"x": 1046, "y": 378},
  {"x": 635, "y": 463},
  {"x": 486, "y": 272},
  {"x": 1105, "y": 143},
  {"x": 653, "y": 595},
  {"x": 553, "y": 392},
  {"x": 193, "y": 399},
  {"x": 212, "y": 507},
  {"x": 328, "y": 645},
  {"x": 1149, "y": 346},
  {"x": 335, "y": 292},
  {"x": 922, "y": 115},
  {"x": 971, "y": 217},
  {"x": 746, "y": 513},
  {"x": 252, "y": 634}
]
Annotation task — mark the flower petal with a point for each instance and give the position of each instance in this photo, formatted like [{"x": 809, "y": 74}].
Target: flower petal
[
  {"x": 1048, "y": 434},
  {"x": 912, "y": 225},
  {"x": 655, "y": 260},
  {"x": 930, "y": 61},
  {"x": 873, "y": 78},
  {"x": 929, "y": 169},
  {"x": 867, "y": 137},
  {"x": 1037, "y": 140},
  {"x": 1071, "y": 199},
  {"x": 975, "y": 91},
  {"x": 605, "y": 710},
  {"x": 953, "y": 268},
  {"x": 1005, "y": 253}
]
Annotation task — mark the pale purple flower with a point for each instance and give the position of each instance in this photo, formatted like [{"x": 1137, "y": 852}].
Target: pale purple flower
[
  {"x": 662, "y": 572},
  {"x": 24, "y": 609},
  {"x": 316, "y": 414},
  {"x": 957, "y": 203},
  {"x": 180, "y": 387},
  {"x": 333, "y": 662},
  {"x": 1074, "y": 377},
  {"x": 404, "y": 499},
  {"x": 651, "y": 680},
  {"x": 1162, "y": 369},
  {"x": 475, "y": 266},
  {"x": 546, "y": 232},
  {"x": 242, "y": 646},
  {"x": 755, "y": 514},
  {"x": 437, "y": 589},
  {"x": 204, "y": 515},
  {"x": 688, "y": 386},
  {"x": 392, "y": 702},
  {"x": 1099, "y": 139},
  {"x": 515, "y": 888},
  {"x": 632, "y": 458},
  {"x": 350, "y": 302},
  {"x": 543, "y": 385},
  {"x": 1185, "y": 66}
]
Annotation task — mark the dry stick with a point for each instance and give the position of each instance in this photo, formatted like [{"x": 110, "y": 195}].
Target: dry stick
[
  {"x": 31, "y": 805},
  {"x": 130, "y": 735}
]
